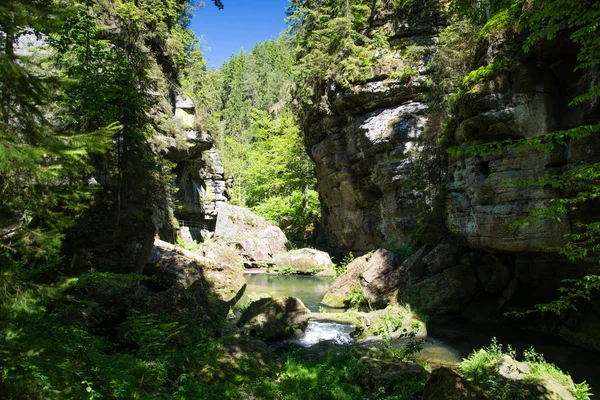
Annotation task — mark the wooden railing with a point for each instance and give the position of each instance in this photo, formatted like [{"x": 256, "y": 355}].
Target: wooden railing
[{"x": 208, "y": 226}]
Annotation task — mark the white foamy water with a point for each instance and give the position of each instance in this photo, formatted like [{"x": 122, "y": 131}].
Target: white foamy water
[{"x": 319, "y": 331}]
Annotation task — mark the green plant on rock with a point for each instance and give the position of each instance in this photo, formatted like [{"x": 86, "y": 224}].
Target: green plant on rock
[
  {"x": 355, "y": 299},
  {"x": 481, "y": 367},
  {"x": 341, "y": 267}
]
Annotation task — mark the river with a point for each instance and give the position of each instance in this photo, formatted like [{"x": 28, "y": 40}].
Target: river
[{"x": 449, "y": 343}]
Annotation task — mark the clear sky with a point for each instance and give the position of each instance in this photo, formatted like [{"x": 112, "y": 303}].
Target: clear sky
[{"x": 241, "y": 24}]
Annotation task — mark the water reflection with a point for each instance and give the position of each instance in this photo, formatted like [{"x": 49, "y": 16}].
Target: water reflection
[{"x": 309, "y": 289}]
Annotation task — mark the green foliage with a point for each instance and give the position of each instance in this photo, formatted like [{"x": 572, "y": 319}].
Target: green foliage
[
  {"x": 480, "y": 367},
  {"x": 43, "y": 162},
  {"x": 293, "y": 271},
  {"x": 355, "y": 299},
  {"x": 341, "y": 267}
]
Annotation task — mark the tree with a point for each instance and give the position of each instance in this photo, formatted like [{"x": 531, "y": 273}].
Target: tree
[{"x": 44, "y": 163}]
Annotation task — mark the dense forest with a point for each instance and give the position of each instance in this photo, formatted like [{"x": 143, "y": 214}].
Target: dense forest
[{"x": 447, "y": 150}]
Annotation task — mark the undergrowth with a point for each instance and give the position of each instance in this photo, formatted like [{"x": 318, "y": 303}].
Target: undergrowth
[{"x": 481, "y": 367}]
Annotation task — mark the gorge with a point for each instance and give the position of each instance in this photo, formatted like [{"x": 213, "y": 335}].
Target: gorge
[{"x": 430, "y": 166}]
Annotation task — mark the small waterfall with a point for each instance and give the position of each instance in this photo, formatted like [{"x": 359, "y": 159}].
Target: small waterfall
[{"x": 320, "y": 331}]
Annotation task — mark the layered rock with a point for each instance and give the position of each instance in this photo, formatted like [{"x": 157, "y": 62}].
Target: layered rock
[{"x": 364, "y": 138}]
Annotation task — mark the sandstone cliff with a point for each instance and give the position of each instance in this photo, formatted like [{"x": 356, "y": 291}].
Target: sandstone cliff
[{"x": 367, "y": 140}]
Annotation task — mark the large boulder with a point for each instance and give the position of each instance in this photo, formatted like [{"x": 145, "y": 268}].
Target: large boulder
[
  {"x": 446, "y": 384},
  {"x": 442, "y": 257},
  {"x": 258, "y": 240},
  {"x": 442, "y": 294},
  {"x": 275, "y": 319},
  {"x": 337, "y": 294},
  {"x": 305, "y": 260},
  {"x": 223, "y": 253},
  {"x": 534, "y": 386},
  {"x": 381, "y": 277},
  {"x": 217, "y": 284}
]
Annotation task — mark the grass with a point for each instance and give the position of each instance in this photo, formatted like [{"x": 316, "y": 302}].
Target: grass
[{"x": 481, "y": 367}]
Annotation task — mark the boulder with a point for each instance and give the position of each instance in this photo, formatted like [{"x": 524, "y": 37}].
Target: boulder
[
  {"x": 381, "y": 277},
  {"x": 275, "y": 319},
  {"x": 493, "y": 275},
  {"x": 223, "y": 253},
  {"x": 442, "y": 294},
  {"x": 220, "y": 285},
  {"x": 444, "y": 383},
  {"x": 347, "y": 282},
  {"x": 442, "y": 257},
  {"x": 258, "y": 240},
  {"x": 414, "y": 265},
  {"x": 305, "y": 260},
  {"x": 393, "y": 322},
  {"x": 545, "y": 386}
]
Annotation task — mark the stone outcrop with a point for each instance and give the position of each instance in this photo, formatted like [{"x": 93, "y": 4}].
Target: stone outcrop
[
  {"x": 275, "y": 319},
  {"x": 258, "y": 240},
  {"x": 213, "y": 284},
  {"x": 365, "y": 140}
]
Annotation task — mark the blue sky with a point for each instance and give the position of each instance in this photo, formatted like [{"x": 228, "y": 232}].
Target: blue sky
[{"x": 242, "y": 23}]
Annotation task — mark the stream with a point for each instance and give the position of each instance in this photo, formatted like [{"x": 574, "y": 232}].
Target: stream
[{"x": 447, "y": 343}]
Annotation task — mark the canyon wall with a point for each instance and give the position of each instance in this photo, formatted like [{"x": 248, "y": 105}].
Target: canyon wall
[{"x": 368, "y": 138}]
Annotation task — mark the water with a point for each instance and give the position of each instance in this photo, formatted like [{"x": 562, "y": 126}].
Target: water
[
  {"x": 448, "y": 343},
  {"x": 309, "y": 289},
  {"x": 320, "y": 331}
]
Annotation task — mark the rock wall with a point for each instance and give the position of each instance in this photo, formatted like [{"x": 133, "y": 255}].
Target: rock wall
[
  {"x": 199, "y": 176},
  {"x": 366, "y": 140},
  {"x": 363, "y": 140}
]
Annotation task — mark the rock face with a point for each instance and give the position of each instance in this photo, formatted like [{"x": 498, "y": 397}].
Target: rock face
[
  {"x": 258, "y": 240},
  {"x": 202, "y": 187},
  {"x": 275, "y": 319},
  {"x": 212, "y": 284},
  {"x": 364, "y": 138},
  {"x": 200, "y": 177}
]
